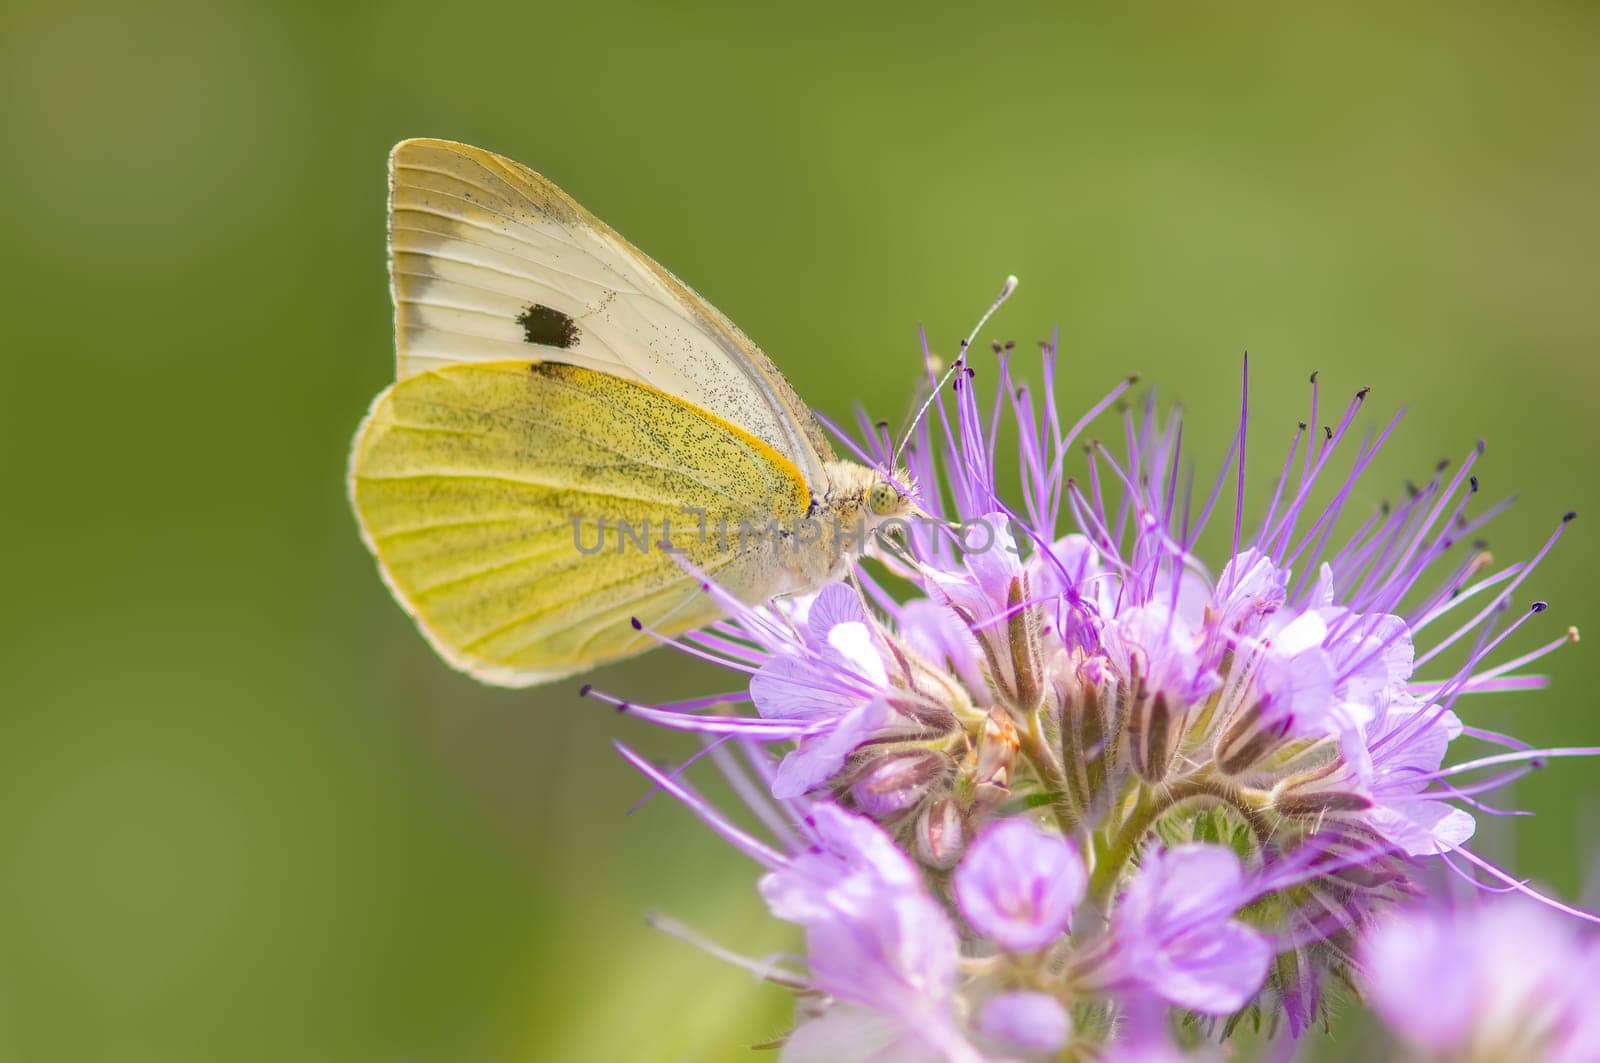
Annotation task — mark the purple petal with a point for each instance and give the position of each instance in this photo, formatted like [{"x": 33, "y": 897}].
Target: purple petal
[
  {"x": 1422, "y": 828},
  {"x": 818, "y": 758},
  {"x": 837, "y": 603},
  {"x": 1214, "y": 970},
  {"x": 793, "y": 687},
  {"x": 1174, "y": 933},
  {"x": 1249, "y": 589},
  {"x": 937, "y": 634}
]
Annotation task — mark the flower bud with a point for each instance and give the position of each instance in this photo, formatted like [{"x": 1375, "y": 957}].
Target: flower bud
[
  {"x": 1153, "y": 733},
  {"x": 940, "y": 835},
  {"x": 898, "y": 782},
  {"x": 997, "y": 753},
  {"x": 1245, "y": 742},
  {"x": 1323, "y": 791},
  {"x": 1023, "y": 646},
  {"x": 1086, "y": 738},
  {"x": 1313, "y": 803}
]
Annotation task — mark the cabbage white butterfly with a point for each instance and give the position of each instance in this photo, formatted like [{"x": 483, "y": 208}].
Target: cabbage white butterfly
[{"x": 569, "y": 425}]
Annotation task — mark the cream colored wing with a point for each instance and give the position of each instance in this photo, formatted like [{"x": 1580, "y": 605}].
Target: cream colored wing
[
  {"x": 488, "y": 261},
  {"x": 517, "y": 511}
]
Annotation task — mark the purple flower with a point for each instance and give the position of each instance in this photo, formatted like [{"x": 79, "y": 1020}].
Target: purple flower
[
  {"x": 1025, "y": 1021},
  {"x": 1250, "y": 589},
  {"x": 1018, "y": 885},
  {"x": 834, "y": 669},
  {"x": 1174, "y": 934},
  {"x": 874, "y": 932},
  {"x": 1410, "y": 744},
  {"x": 989, "y": 566},
  {"x": 816, "y": 758},
  {"x": 1151, "y": 643},
  {"x": 1505, "y": 980},
  {"x": 837, "y": 677},
  {"x": 874, "y": 938}
]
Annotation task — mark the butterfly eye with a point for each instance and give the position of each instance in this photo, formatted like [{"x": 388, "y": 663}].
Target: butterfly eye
[{"x": 883, "y": 499}]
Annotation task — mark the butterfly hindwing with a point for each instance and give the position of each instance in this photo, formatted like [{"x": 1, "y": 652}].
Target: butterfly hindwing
[{"x": 518, "y": 512}]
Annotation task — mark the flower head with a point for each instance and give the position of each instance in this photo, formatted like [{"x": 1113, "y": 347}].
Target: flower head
[{"x": 1048, "y": 778}]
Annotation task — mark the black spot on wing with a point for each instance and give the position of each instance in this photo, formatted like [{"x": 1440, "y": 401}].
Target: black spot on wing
[{"x": 547, "y": 326}]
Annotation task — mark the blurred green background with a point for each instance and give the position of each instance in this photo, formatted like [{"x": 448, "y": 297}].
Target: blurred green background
[{"x": 244, "y": 812}]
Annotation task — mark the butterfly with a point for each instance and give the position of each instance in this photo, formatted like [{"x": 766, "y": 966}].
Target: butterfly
[{"x": 576, "y": 445}]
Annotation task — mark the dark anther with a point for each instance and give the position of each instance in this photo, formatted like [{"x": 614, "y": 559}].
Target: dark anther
[
  {"x": 1444, "y": 463},
  {"x": 1539, "y": 607},
  {"x": 635, "y": 622},
  {"x": 1569, "y": 516},
  {"x": 1302, "y": 426},
  {"x": 1362, "y": 394},
  {"x": 1327, "y": 434},
  {"x": 584, "y": 690}
]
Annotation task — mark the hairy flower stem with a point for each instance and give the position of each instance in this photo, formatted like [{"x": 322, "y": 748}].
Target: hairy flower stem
[
  {"x": 1036, "y": 748},
  {"x": 1120, "y": 846}
]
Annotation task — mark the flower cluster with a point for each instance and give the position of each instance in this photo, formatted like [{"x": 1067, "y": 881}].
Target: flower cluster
[{"x": 1076, "y": 790}]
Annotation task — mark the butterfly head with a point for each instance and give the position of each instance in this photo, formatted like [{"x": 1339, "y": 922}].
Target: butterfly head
[
  {"x": 873, "y": 495},
  {"x": 886, "y": 499}
]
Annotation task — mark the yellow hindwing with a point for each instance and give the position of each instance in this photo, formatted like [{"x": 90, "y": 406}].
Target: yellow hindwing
[{"x": 518, "y": 512}]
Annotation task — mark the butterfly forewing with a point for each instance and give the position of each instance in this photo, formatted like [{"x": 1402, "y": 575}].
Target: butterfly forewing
[{"x": 491, "y": 262}]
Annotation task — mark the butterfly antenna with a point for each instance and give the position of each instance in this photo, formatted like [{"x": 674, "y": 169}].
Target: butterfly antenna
[{"x": 1005, "y": 293}]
